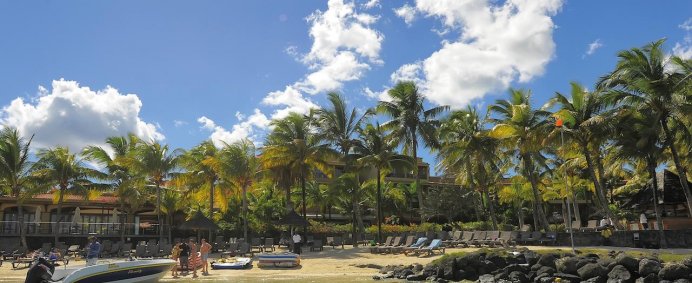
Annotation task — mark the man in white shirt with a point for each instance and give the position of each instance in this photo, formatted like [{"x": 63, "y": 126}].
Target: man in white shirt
[
  {"x": 296, "y": 243},
  {"x": 644, "y": 221}
]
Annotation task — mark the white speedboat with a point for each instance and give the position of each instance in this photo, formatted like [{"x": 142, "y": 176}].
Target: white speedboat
[{"x": 136, "y": 271}]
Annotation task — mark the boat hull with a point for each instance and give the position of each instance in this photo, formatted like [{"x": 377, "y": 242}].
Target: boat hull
[{"x": 140, "y": 271}]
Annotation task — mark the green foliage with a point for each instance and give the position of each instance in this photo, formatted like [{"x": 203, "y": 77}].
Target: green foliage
[
  {"x": 473, "y": 226},
  {"x": 328, "y": 228}
]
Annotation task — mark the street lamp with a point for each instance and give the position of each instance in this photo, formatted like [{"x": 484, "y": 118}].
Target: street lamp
[{"x": 559, "y": 123}]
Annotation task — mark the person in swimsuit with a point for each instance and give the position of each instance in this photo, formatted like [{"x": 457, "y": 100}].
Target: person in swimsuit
[{"x": 204, "y": 250}]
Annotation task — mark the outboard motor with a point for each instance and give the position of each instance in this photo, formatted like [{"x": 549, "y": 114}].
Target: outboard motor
[{"x": 41, "y": 271}]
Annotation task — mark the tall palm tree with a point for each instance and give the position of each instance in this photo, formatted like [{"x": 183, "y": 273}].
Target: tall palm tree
[
  {"x": 171, "y": 201},
  {"x": 241, "y": 166},
  {"x": 466, "y": 147},
  {"x": 293, "y": 145},
  {"x": 638, "y": 137},
  {"x": 337, "y": 125},
  {"x": 523, "y": 129},
  {"x": 645, "y": 78},
  {"x": 60, "y": 168},
  {"x": 15, "y": 173},
  {"x": 584, "y": 123},
  {"x": 125, "y": 181},
  {"x": 158, "y": 163},
  {"x": 516, "y": 193},
  {"x": 410, "y": 123},
  {"x": 377, "y": 151}
]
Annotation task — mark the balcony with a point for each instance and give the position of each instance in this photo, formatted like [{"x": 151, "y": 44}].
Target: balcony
[{"x": 11, "y": 228}]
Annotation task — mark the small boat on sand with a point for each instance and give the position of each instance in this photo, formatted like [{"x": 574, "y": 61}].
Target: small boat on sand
[
  {"x": 135, "y": 271},
  {"x": 278, "y": 260},
  {"x": 232, "y": 263}
]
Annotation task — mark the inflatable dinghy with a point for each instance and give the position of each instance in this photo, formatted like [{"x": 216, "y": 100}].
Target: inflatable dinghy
[
  {"x": 232, "y": 263},
  {"x": 278, "y": 260}
]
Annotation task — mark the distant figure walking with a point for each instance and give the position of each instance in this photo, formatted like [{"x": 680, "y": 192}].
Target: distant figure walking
[
  {"x": 644, "y": 221},
  {"x": 193, "y": 257},
  {"x": 93, "y": 250},
  {"x": 296, "y": 243},
  {"x": 204, "y": 250}
]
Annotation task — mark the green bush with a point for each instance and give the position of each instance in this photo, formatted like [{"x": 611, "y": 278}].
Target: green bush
[
  {"x": 328, "y": 228},
  {"x": 474, "y": 226}
]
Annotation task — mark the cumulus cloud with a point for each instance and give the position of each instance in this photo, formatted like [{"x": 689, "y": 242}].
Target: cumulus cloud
[
  {"x": 497, "y": 44},
  {"x": 179, "y": 123},
  {"x": 246, "y": 128},
  {"x": 290, "y": 100},
  {"x": 407, "y": 13},
  {"x": 593, "y": 46},
  {"x": 75, "y": 116},
  {"x": 684, "y": 49},
  {"x": 371, "y": 4}
]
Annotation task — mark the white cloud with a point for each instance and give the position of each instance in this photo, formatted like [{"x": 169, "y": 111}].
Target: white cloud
[
  {"x": 344, "y": 67},
  {"x": 498, "y": 44},
  {"x": 371, "y": 4},
  {"x": 687, "y": 25},
  {"x": 684, "y": 49},
  {"x": 291, "y": 100},
  {"x": 593, "y": 46},
  {"x": 408, "y": 72},
  {"x": 74, "y": 116},
  {"x": 246, "y": 128},
  {"x": 377, "y": 95},
  {"x": 407, "y": 13},
  {"x": 179, "y": 123}
]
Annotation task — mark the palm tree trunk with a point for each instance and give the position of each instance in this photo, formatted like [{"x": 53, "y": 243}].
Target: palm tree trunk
[
  {"x": 651, "y": 167},
  {"x": 577, "y": 215},
  {"x": 244, "y": 211},
  {"x": 602, "y": 179},
  {"x": 158, "y": 211},
  {"x": 476, "y": 206},
  {"x": 682, "y": 171},
  {"x": 491, "y": 208},
  {"x": 597, "y": 182},
  {"x": 56, "y": 231},
  {"x": 379, "y": 208},
  {"x": 122, "y": 221},
  {"x": 520, "y": 215},
  {"x": 302, "y": 185},
  {"x": 419, "y": 188},
  {"x": 211, "y": 205},
  {"x": 20, "y": 222},
  {"x": 170, "y": 232},
  {"x": 539, "y": 214}
]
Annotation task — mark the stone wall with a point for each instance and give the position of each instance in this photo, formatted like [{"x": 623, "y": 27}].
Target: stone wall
[{"x": 647, "y": 239}]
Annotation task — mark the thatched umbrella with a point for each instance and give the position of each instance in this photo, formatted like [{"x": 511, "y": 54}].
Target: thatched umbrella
[
  {"x": 293, "y": 219},
  {"x": 199, "y": 222}
]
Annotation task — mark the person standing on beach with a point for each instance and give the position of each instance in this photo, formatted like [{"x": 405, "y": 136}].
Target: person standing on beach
[
  {"x": 93, "y": 250},
  {"x": 175, "y": 255},
  {"x": 204, "y": 250},
  {"x": 193, "y": 257},
  {"x": 644, "y": 221},
  {"x": 184, "y": 255},
  {"x": 296, "y": 243}
]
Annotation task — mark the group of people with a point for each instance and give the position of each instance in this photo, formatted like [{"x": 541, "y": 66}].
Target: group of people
[{"x": 190, "y": 257}]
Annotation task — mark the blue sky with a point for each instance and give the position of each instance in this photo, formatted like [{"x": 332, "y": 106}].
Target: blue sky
[{"x": 75, "y": 72}]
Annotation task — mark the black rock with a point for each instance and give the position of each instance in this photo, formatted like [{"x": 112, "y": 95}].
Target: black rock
[
  {"x": 545, "y": 270},
  {"x": 585, "y": 261},
  {"x": 460, "y": 275},
  {"x": 536, "y": 267},
  {"x": 518, "y": 276},
  {"x": 403, "y": 274},
  {"x": 650, "y": 278},
  {"x": 620, "y": 274},
  {"x": 682, "y": 281},
  {"x": 488, "y": 266},
  {"x": 648, "y": 266},
  {"x": 592, "y": 270},
  {"x": 570, "y": 278},
  {"x": 597, "y": 279},
  {"x": 547, "y": 260},
  {"x": 497, "y": 260},
  {"x": 470, "y": 273},
  {"x": 687, "y": 262},
  {"x": 531, "y": 257},
  {"x": 417, "y": 267},
  {"x": 546, "y": 279},
  {"x": 631, "y": 263},
  {"x": 514, "y": 267},
  {"x": 675, "y": 271},
  {"x": 416, "y": 277},
  {"x": 567, "y": 265}
]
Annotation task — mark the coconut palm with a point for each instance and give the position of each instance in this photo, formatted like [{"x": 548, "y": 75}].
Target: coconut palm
[
  {"x": 645, "y": 78},
  {"x": 59, "y": 168},
  {"x": 523, "y": 129},
  {"x": 410, "y": 123},
  {"x": 293, "y": 146},
  {"x": 15, "y": 174},
  {"x": 125, "y": 181},
  {"x": 171, "y": 201},
  {"x": 516, "y": 193},
  {"x": 584, "y": 123},
  {"x": 337, "y": 126},
  {"x": 158, "y": 163},
  {"x": 377, "y": 151},
  {"x": 468, "y": 153},
  {"x": 241, "y": 166}
]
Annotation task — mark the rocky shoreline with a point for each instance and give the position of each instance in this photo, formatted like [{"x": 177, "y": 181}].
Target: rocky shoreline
[{"x": 527, "y": 266}]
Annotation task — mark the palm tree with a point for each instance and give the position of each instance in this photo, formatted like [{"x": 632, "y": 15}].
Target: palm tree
[
  {"x": 292, "y": 145},
  {"x": 126, "y": 182},
  {"x": 171, "y": 201},
  {"x": 584, "y": 125},
  {"x": 15, "y": 174},
  {"x": 647, "y": 79},
  {"x": 516, "y": 193},
  {"x": 523, "y": 129},
  {"x": 638, "y": 137},
  {"x": 60, "y": 168},
  {"x": 241, "y": 166},
  {"x": 411, "y": 122},
  {"x": 377, "y": 151},
  {"x": 466, "y": 147},
  {"x": 158, "y": 163},
  {"x": 337, "y": 125}
]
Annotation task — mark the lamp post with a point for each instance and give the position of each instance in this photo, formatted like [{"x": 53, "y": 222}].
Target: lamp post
[{"x": 559, "y": 124}]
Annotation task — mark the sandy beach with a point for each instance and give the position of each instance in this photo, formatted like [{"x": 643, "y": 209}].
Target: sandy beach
[{"x": 333, "y": 265}]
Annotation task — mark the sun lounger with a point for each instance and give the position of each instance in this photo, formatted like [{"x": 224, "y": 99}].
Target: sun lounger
[
  {"x": 435, "y": 245},
  {"x": 46, "y": 247},
  {"x": 375, "y": 249},
  {"x": 491, "y": 239},
  {"x": 451, "y": 242},
  {"x": 25, "y": 260},
  {"x": 256, "y": 245},
  {"x": 410, "y": 240},
  {"x": 443, "y": 236},
  {"x": 317, "y": 245},
  {"x": 419, "y": 243},
  {"x": 73, "y": 250},
  {"x": 478, "y": 238},
  {"x": 152, "y": 250},
  {"x": 548, "y": 238},
  {"x": 505, "y": 239},
  {"x": 218, "y": 243},
  {"x": 231, "y": 250},
  {"x": 466, "y": 239},
  {"x": 395, "y": 243},
  {"x": 523, "y": 235},
  {"x": 141, "y": 251},
  {"x": 269, "y": 244},
  {"x": 591, "y": 226},
  {"x": 576, "y": 226},
  {"x": 533, "y": 237},
  {"x": 126, "y": 249},
  {"x": 335, "y": 242},
  {"x": 244, "y": 249}
]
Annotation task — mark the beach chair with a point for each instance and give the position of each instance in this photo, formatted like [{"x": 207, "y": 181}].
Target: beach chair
[
  {"x": 152, "y": 250},
  {"x": 576, "y": 226},
  {"x": 141, "y": 251},
  {"x": 443, "y": 236},
  {"x": 451, "y": 242},
  {"x": 218, "y": 243},
  {"x": 478, "y": 238},
  {"x": 113, "y": 251},
  {"x": 256, "y": 244},
  {"x": 126, "y": 249},
  {"x": 45, "y": 247},
  {"x": 435, "y": 245},
  {"x": 533, "y": 237},
  {"x": 591, "y": 226},
  {"x": 374, "y": 249},
  {"x": 24, "y": 259},
  {"x": 335, "y": 242},
  {"x": 395, "y": 243},
  {"x": 244, "y": 249},
  {"x": 269, "y": 244},
  {"x": 419, "y": 243},
  {"x": 523, "y": 235},
  {"x": 548, "y": 238},
  {"x": 73, "y": 250},
  {"x": 505, "y": 239},
  {"x": 231, "y": 250},
  {"x": 151, "y": 242},
  {"x": 317, "y": 245},
  {"x": 466, "y": 239},
  {"x": 491, "y": 238},
  {"x": 409, "y": 241}
]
